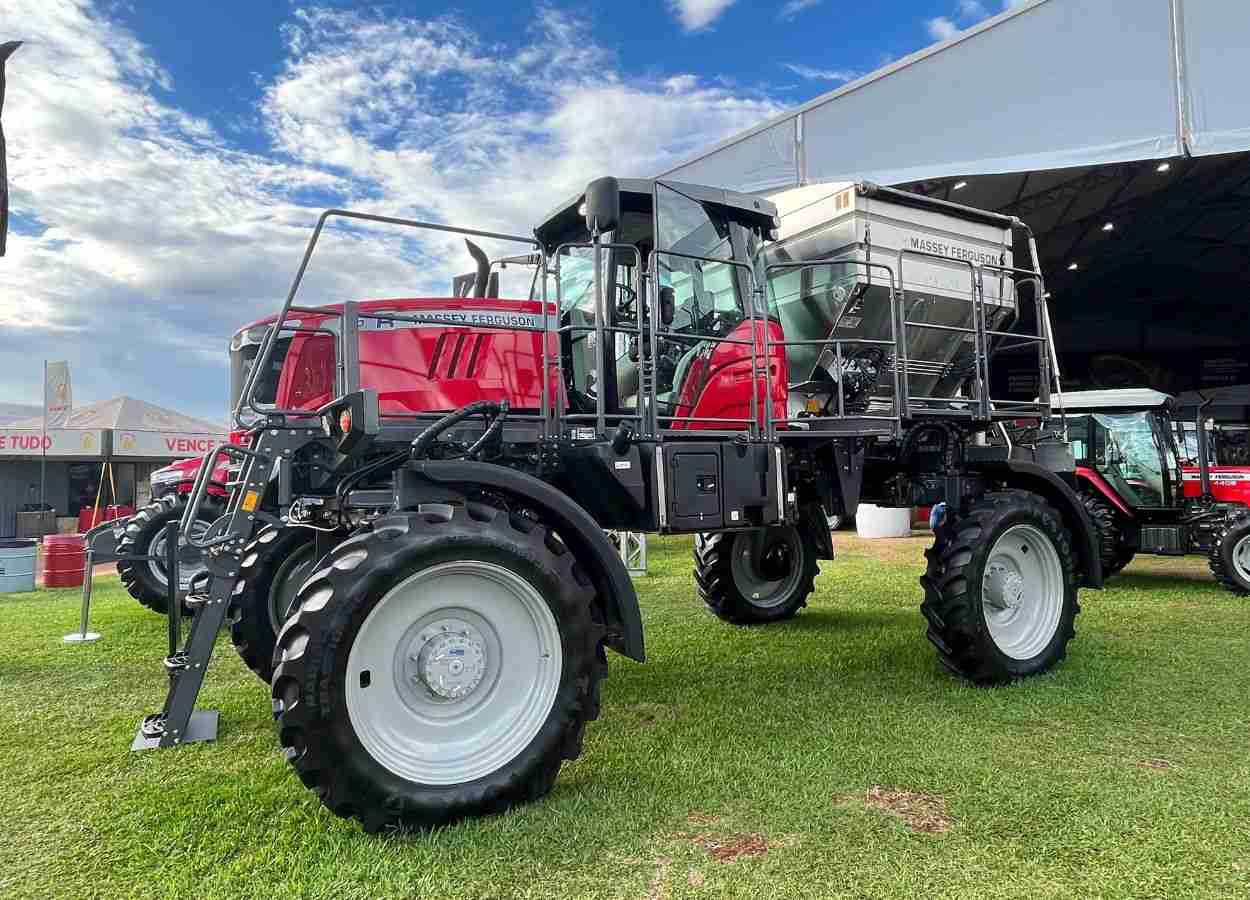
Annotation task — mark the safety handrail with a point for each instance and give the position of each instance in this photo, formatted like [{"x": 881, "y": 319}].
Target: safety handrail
[
  {"x": 600, "y": 327},
  {"x": 838, "y": 342},
  {"x": 759, "y": 334},
  {"x": 200, "y": 489}
]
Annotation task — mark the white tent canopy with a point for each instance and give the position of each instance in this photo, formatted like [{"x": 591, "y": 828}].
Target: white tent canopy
[
  {"x": 121, "y": 427},
  {"x": 1048, "y": 84}
]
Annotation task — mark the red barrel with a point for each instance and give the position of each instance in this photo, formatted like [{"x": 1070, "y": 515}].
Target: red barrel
[
  {"x": 89, "y": 517},
  {"x": 64, "y": 558}
]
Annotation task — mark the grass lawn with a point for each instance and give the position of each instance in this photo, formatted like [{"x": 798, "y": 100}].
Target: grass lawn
[{"x": 827, "y": 756}]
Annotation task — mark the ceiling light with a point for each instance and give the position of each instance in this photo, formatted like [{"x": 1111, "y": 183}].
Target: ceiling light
[
  {"x": 1072, "y": 267},
  {"x": 1110, "y": 226},
  {"x": 959, "y": 185},
  {"x": 1163, "y": 167}
]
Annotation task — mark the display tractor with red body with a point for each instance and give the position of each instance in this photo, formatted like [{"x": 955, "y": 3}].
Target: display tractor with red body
[
  {"x": 1149, "y": 481},
  {"x": 427, "y": 538}
]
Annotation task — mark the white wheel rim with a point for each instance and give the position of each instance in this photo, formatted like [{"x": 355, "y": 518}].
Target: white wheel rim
[
  {"x": 1022, "y": 591},
  {"x": 188, "y": 568},
  {"x": 1241, "y": 558},
  {"x": 453, "y": 673}
]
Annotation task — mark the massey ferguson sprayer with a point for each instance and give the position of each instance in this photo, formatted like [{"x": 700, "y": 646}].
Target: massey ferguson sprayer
[{"x": 688, "y": 360}]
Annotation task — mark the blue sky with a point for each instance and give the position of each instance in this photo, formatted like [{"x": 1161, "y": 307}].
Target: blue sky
[{"x": 167, "y": 160}]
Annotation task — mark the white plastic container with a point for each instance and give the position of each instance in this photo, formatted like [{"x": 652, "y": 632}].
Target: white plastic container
[{"x": 882, "y": 522}]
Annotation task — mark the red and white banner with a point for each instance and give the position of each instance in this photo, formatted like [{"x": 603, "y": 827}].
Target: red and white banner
[
  {"x": 58, "y": 400},
  {"x": 56, "y": 442},
  {"x": 164, "y": 444}
]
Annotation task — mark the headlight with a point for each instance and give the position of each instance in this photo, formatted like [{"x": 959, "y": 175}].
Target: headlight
[{"x": 165, "y": 478}]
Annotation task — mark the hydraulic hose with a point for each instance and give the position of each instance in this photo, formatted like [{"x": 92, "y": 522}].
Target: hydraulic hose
[{"x": 485, "y": 408}]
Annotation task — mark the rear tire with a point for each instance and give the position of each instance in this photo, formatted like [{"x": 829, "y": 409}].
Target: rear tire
[
  {"x": 753, "y": 577},
  {"x": 1000, "y": 588},
  {"x": 442, "y": 665},
  {"x": 1229, "y": 556},
  {"x": 144, "y": 535},
  {"x": 1115, "y": 556},
  {"x": 273, "y": 568}
]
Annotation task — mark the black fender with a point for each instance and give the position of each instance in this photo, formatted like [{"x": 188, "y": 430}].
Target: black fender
[
  {"x": 581, "y": 533},
  {"x": 812, "y": 519},
  {"x": 1061, "y": 494}
]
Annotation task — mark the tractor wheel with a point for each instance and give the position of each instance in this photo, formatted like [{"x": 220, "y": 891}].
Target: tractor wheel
[
  {"x": 1230, "y": 556},
  {"x": 145, "y": 536},
  {"x": 1110, "y": 536},
  {"x": 752, "y": 577},
  {"x": 1000, "y": 589},
  {"x": 273, "y": 568},
  {"x": 442, "y": 665}
]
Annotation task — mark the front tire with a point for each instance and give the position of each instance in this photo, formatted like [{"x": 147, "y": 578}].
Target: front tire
[
  {"x": 144, "y": 535},
  {"x": 273, "y": 568},
  {"x": 1000, "y": 589},
  {"x": 1229, "y": 556},
  {"x": 753, "y": 577},
  {"x": 442, "y": 665}
]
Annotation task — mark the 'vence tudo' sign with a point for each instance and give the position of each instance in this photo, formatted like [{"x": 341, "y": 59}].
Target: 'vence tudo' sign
[
  {"x": 164, "y": 444},
  {"x": 56, "y": 442}
]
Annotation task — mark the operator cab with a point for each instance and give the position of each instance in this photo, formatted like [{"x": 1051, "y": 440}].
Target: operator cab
[
  {"x": 1129, "y": 437},
  {"x": 695, "y": 245}
]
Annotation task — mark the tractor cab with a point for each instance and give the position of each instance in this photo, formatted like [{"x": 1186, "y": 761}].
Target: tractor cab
[
  {"x": 1154, "y": 459},
  {"x": 1128, "y": 438},
  {"x": 631, "y": 246}
]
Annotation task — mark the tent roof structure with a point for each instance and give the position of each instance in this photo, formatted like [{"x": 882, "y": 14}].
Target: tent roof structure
[{"x": 129, "y": 414}]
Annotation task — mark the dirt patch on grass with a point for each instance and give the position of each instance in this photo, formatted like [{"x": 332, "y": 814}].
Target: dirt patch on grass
[
  {"x": 1155, "y": 764},
  {"x": 647, "y": 715},
  {"x": 658, "y": 888},
  {"x": 727, "y": 848},
  {"x": 922, "y": 813},
  {"x": 702, "y": 819}
]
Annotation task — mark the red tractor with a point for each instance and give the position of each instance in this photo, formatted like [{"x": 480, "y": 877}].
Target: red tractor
[
  {"x": 419, "y": 509},
  {"x": 1149, "y": 480}
]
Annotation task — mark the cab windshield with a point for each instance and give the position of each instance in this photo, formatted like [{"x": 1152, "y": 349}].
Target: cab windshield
[
  {"x": 1127, "y": 450},
  {"x": 244, "y": 349}
]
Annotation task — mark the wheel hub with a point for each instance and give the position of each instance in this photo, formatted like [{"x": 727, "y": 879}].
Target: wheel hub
[
  {"x": 448, "y": 659},
  {"x": 1022, "y": 591},
  {"x": 1004, "y": 586},
  {"x": 775, "y": 563}
]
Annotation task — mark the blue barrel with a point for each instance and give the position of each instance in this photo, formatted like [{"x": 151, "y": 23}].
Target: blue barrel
[{"x": 17, "y": 566}]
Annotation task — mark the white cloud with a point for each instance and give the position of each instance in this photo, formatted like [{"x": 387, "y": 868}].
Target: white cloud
[
  {"x": 941, "y": 28},
  {"x": 822, "y": 74},
  {"x": 162, "y": 236},
  {"x": 695, "y": 15},
  {"x": 791, "y": 8},
  {"x": 971, "y": 10}
]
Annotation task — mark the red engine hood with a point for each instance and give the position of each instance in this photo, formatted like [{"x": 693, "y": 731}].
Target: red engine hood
[
  {"x": 428, "y": 367},
  {"x": 1228, "y": 483}
]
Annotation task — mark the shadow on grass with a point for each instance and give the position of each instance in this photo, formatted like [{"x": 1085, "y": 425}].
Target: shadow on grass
[{"x": 1151, "y": 581}]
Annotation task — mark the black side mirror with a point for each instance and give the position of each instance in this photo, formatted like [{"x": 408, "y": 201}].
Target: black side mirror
[
  {"x": 6, "y": 50},
  {"x": 603, "y": 205},
  {"x": 668, "y": 305}
]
